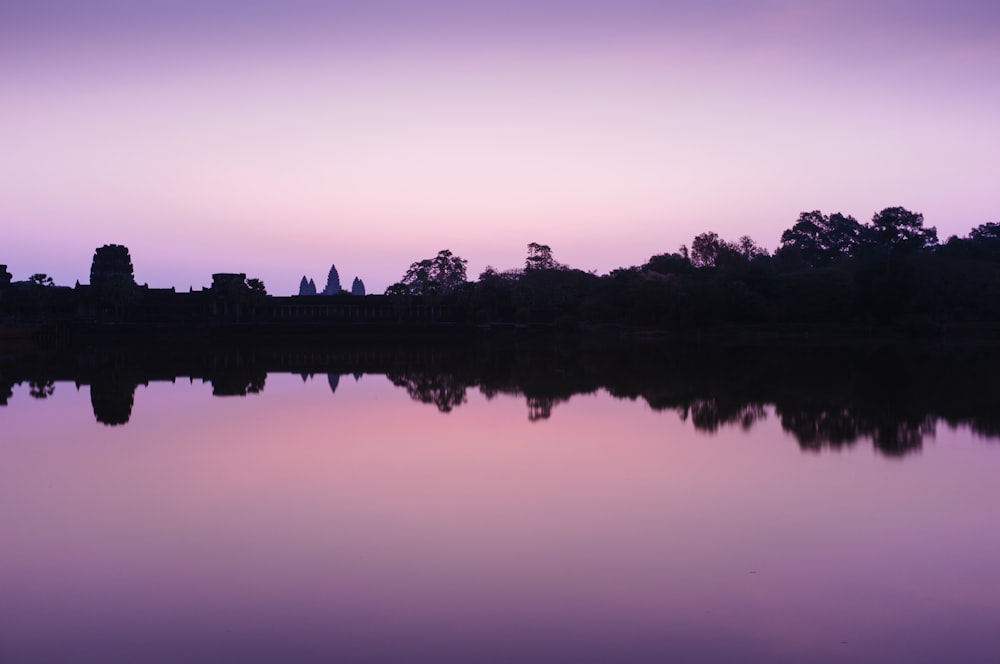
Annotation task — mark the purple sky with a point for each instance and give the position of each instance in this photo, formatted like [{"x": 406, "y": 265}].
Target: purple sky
[{"x": 274, "y": 138}]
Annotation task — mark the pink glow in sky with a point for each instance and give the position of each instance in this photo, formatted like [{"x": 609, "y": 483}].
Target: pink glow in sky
[{"x": 275, "y": 138}]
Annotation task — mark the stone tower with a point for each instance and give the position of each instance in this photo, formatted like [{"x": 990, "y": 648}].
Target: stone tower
[
  {"x": 332, "y": 282},
  {"x": 111, "y": 269}
]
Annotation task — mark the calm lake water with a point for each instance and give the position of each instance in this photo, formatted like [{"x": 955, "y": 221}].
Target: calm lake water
[{"x": 341, "y": 518}]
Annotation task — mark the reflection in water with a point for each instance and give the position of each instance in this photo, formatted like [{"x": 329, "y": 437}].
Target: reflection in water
[
  {"x": 444, "y": 390},
  {"x": 825, "y": 399},
  {"x": 238, "y": 382},
  {"x": 710, "y": 414},
  {"x": 41, "y": 389},
  {"x": 112, "y": 400},
  {"x": 540, "y": 408},
  {"x": 313, "y": 524},
  {"x": 819, "y": 427}
]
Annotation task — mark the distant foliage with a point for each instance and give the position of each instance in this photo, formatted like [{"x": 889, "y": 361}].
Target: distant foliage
[
  {"x": 821, "y": 240},
  {"x": 709, "y": 250},
  {"x": 668, "y": 264},
  {"x": 705, "y": 249},
  {"x": 989, "y": 232},
  {"x": 256, "y": 286},
  {"x": 436, "y": 276},
  {"x": 898, "y": 227},
  {"x": 540, "y": 258},
  {"x": 828, "y": 270}
]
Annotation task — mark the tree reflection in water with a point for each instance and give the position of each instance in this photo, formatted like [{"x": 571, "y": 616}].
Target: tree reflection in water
[
  {"x": 817, "y": 428},
  {"x": 826, "y": 399},
  {"x": 710, "y": 414},
  {"x": 41, "y": 389},
  {"x": 446, "y": 391}
]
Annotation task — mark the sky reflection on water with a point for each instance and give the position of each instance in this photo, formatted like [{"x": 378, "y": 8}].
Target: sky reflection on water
[{"x": 365, "y": 526}]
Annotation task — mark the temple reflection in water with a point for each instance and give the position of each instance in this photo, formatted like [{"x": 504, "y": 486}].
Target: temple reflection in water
[{"x": 826, "y": 400}]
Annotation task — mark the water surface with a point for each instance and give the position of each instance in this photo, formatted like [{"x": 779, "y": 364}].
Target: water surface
[{"x": 423, "y": 517}]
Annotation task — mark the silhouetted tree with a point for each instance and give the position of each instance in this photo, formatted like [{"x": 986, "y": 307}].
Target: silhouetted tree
[
  {"x": 256, "y": 287},
  {"x": 540, "y": 257},
  {"x": 705, "y": 249},
  {"x": 668, "y": 264},
  {"x": 989, "y": 232},
  {"x": 984, "y": 241},
  {"x": 709, "y": 250},
  {"x": 41, "y": 279},
  {"x": 493, "y": 295},
  {"x": 822, "y": 239},
  {"x": 358, "y": 287},
  {"x": 332, "y": 282},
  {"x": 398, "y": 289},
  {"x": 898, "y": 228},
  {"x": 746, "y": 248},
  {"x": 5, "y": 276},
  {"x": 440, "y": 275}
]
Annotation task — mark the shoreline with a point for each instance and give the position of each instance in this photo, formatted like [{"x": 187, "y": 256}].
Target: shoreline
[{"x": 21, "y": 336}]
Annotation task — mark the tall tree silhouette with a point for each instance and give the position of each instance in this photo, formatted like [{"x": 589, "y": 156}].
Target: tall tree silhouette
[
  {"x": 256, "y": 287},
  {"x": 822, "y": 239},
  {"x": 899, "y": 228},
  {"x": 440, "y": 275},
  {"x": 540, "y": 257},
  {"x": 705, "y": 249}
]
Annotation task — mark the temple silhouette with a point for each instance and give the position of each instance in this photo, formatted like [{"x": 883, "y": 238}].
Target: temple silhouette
[
  {"x": 832, "y": 278},
  {"x": 113, "y": 300}
]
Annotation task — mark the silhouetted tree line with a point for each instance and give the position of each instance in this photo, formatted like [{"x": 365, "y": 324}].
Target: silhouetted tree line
[{"x": 828, "y": 269}]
